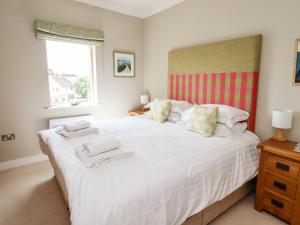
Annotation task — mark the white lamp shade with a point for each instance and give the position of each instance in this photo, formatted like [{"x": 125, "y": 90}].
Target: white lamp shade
[
  {"x": 282, "y": 118},
  {"x": 144, "y": 99}
]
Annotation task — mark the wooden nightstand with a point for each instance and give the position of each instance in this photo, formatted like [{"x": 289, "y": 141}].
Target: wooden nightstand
[
  {"x": 138, "y": 111},
  {"x": 278, "y": 184}
]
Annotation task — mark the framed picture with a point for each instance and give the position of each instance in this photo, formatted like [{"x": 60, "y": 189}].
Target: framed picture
[
  {"x": 124, "y": 64},
  {"x": 297, "y": 63}
]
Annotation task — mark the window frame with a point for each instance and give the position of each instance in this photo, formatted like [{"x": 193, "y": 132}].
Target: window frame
[{"x": 92, "y": 76}]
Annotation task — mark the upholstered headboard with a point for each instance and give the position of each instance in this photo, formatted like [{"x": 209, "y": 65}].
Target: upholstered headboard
[{"x": 221, "y": 73}]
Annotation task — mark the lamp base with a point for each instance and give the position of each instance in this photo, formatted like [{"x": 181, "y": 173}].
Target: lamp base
[
  {"x": 279, "y": 135},
  {"x": 144, "y": 108}
]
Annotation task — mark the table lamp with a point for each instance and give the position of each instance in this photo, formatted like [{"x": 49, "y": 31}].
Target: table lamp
[
  {"x": 281, "y": 119},
  {"x": 144, "y": 99}
]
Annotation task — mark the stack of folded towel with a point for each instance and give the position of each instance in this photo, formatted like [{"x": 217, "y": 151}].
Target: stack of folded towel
[
  {"x": 96, "y": 153},
  {"x": 76, "y": 129}
]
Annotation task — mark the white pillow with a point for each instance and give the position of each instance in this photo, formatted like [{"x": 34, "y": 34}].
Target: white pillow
[
  {"x": 176, "y": 106},
  {"x": 186, "y": 115},
  {"x": 174, "y": 117},
  {"x": 229, "y": 115},
  {"x": 180, "y": 106},
  {"x": 223, "y": 130}
]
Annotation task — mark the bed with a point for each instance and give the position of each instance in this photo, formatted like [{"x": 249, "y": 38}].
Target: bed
[{"x": 174, "y": 177}]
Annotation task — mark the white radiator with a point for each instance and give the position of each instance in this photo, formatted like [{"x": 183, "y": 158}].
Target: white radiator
[{"x": 56, "y": 122}]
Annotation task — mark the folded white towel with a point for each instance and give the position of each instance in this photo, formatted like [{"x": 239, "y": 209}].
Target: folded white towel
[
  {"x": 100, "y": 159},
  {"x": 102, "y": 145},
  {"x": 75, "y": 126},
  {"x": 78, "y": 133}
]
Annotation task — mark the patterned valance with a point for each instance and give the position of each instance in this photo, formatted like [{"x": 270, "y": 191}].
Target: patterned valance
[{"x": 69, "y": 33}]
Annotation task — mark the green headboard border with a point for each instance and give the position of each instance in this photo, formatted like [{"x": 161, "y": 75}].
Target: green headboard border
[{"x": 238, "y": 55}]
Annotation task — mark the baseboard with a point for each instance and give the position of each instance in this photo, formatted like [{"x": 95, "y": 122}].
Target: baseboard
[{"x": 22, "y": 161}]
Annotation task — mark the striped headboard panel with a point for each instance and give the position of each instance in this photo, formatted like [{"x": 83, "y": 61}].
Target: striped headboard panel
[{"x": 221, "y": 73}]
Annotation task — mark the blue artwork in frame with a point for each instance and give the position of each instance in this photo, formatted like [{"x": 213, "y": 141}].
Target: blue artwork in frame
[
  {"x": 297, "y": 64},
  {"x": 124, "y": 64}
]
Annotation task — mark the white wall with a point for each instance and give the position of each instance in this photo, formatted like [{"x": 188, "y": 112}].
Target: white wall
[
  {"x": 23, "y": 68},
  {"x": 201, "y": 21}
]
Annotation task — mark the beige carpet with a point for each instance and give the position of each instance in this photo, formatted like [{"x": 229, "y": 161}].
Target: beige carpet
[{"x": 29, "y": 195}]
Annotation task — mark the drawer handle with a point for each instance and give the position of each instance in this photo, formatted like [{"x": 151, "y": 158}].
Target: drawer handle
[
  {"x": 282, "y": 166},
  {"x": 279, "y": 185},
  {"x": 277, "y": 203}
]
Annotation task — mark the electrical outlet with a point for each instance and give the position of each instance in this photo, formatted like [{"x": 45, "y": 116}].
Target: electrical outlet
[{"x": 8, "y": 137}]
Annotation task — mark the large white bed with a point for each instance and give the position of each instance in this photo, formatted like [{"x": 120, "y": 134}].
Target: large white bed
[{"x": 172, "y": 175}]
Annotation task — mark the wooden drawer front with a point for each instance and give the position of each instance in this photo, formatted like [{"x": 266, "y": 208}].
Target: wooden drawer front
[
  {"x": 283, "y": 167},
  {"x": 282, "y": 186},
  {"x": 278, "y": 206}
]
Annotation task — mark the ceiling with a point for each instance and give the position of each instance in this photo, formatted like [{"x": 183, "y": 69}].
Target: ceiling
[{"x": 137, "y": 8}]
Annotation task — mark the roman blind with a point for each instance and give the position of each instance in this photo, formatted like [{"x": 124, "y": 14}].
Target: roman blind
[{"x": 69, "y": 33}]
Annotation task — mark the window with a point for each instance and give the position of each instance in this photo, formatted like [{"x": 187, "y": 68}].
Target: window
[{"x": 71, "y": 74}]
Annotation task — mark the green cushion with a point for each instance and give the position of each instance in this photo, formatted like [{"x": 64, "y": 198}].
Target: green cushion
[
  {"x": 160, "y": 110},
  {"x": 203, "y": 120}
]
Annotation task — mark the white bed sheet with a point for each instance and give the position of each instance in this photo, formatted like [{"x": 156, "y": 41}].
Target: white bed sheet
[{"x": 173, "y": 174}]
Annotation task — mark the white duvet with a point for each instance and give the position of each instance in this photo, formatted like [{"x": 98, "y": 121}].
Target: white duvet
[{"x": 172, "y": 175}]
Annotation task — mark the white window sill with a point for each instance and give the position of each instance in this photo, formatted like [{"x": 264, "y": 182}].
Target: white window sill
[{"x": 90, "y": 105}]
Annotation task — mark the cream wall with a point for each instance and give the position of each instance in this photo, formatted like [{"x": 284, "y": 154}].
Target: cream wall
[
  {"x": 201, "y": 21},
  {"x": 23, "y": 68}
]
